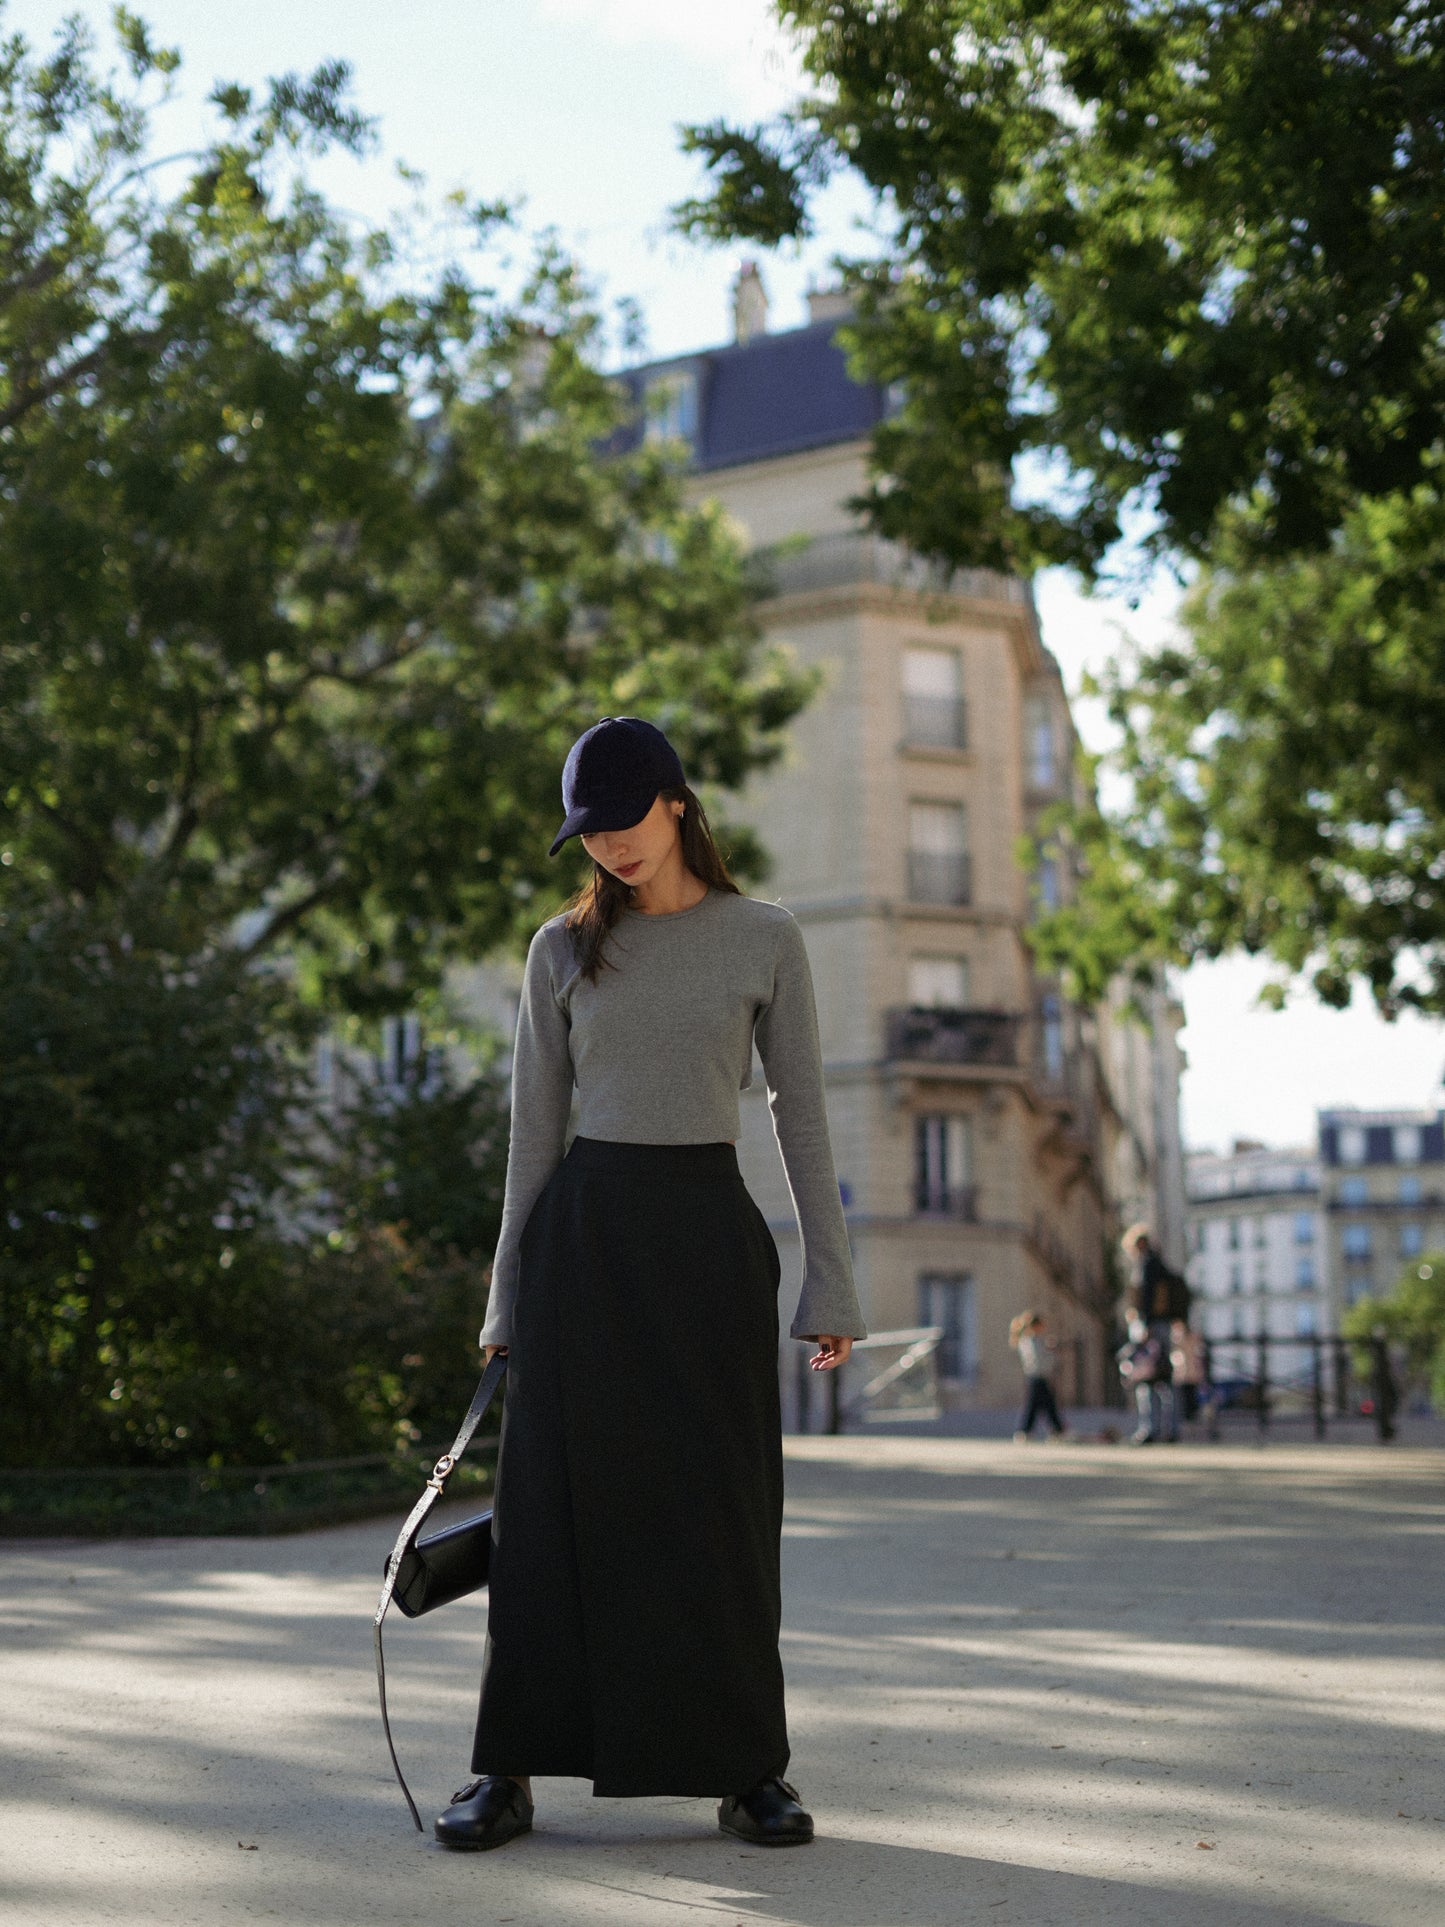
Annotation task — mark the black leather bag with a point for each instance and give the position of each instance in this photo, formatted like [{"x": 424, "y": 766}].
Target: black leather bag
[
  {"x": 444, "y": 1566},
  {"x": 422, "y": 1574}
]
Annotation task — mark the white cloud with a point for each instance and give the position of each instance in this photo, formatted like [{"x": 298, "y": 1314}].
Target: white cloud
[{"x": 740, "y": 39}]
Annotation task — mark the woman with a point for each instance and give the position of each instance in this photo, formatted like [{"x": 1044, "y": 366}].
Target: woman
[
  {"x": 632, "y": 1628},
  {"x": 1028, "y": 1334}
]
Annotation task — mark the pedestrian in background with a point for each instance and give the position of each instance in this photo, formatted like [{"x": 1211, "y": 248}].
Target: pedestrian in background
[
  {"x": 1158, "y": 1297},
  {"x": 1189, "y": 1365},
  {"x": 635, "y": 1590},
  {"x": 1028, "y": 1335}
]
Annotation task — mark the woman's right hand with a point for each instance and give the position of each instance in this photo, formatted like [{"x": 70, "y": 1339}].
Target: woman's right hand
[{"x": 490, "y": 1352}]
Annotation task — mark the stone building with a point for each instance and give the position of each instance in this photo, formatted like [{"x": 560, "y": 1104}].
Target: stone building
[
  {"x": 990, "y": 1138},
  {"x": 1258, "y": 1256},
  {"x": 1383, "y": 1196}
]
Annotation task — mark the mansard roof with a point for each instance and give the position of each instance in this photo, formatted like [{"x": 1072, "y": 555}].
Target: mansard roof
[{"x": 777, "y": 394}]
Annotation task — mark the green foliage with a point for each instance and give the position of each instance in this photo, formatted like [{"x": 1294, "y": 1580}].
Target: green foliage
[
  {"x": 313, "y": 565},
  {"x": 1412, "y": 1317},
  {"x": 414, "y": 1179},
  {"x": 756, "y": 180},
  {"x": 144, "y": 1103},
  {"x": 316, "y": 553},
  {"x": 1189, "y": 257},
  {"x": 1286, "y": 791},
  {"x": 1193, "y": 252}
]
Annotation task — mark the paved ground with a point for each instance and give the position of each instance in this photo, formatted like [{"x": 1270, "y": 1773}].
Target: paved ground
[{"x": 1049, "y": 1685}]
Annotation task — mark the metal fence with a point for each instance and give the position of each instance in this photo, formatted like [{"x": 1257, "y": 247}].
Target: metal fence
[
  {"x": 1248, "y": 1377},
  {"x": 892, "y": 1374}
]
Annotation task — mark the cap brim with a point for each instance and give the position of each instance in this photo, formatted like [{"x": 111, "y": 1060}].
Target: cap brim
[{"x": 588, "y": 822}]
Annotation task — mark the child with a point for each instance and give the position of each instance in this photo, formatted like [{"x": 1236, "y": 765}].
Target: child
[{"x": 1027, "y": 1336}]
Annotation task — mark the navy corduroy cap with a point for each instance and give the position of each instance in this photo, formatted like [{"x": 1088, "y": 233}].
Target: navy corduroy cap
[{"x": 612, "y": 776}]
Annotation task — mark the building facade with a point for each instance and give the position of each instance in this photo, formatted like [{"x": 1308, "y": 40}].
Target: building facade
[
  {"x": 1258, "y": 1256},
  {"x": 1383, "y": 1192},
  {"x": 990, "y": 1137}
]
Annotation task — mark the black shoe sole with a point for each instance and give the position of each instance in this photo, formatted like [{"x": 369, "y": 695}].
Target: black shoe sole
[
  {"x": 767, "y": 1840},
  {"x": 482, "y": 1846}
]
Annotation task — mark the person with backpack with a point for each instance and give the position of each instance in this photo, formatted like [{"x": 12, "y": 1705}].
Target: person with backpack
[{"x": 1160, "y": 1298}]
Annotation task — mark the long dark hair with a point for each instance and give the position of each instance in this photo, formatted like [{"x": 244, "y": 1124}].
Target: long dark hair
[{"x": 603, "y": 897}]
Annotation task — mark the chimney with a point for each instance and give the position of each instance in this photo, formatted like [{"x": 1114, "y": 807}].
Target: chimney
[
  {"x": 828, "y": 304},
  {"x": 750, "y": 304}
]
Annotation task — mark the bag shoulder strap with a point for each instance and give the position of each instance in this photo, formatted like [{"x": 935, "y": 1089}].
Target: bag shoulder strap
[{"x": 447, "y": 1464}]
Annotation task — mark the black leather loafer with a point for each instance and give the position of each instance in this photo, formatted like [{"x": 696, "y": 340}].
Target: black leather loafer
[
  {"x": 771, "y": 1815},
  {"x": 488, "y": 1813}
]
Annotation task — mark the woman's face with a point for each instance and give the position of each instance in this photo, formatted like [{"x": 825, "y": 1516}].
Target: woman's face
[{"x": 637, "y": 854}]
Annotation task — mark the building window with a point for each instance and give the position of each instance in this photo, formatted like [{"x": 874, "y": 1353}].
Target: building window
[
  {"x": 672, "y": 408},
  {"x": 1234, "y": 1234},
  {"x": 1050, "y": 892},
  {"x": 1357, "y": 1286},
  {"x": 948, "y": 1300},
  {"x": 934, "y": 716},
  {"x": 938, "y": 867},
  {"x": 1304, "y": 1227},
  {"x": 400, "y": 1049},
  {"x": 938, "y": 983},
  {"x": 1051, "y": 1036},
  {"x": 1236, "y": 1278},
  {"x": 323, "y": 1065},
  {"x": 1354, "y": 1191},
  {"x": 1304, "y": 1321},
  {"x": 1236, "y": 1325},
  {"x": 1260, "y": 1233},
  {"x": 1355, "y": 1241},
  {"x": 1303, "y": 1181},
  {"x": 1407, "y": 1144},
  {"x": 1352, "y": 1144},
  {"x": 943, "y": 1144},
  {"x": 1409, "y": 1191},
  {"x": 1412, "y": 1240},
  {"x": 1304, "y": 1274},
  {"x": 1040, "y": 745}
]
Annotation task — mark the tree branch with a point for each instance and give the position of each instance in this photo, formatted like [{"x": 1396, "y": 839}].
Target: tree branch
[
  {"x": 47, "y": 390},
  {"x": 292, "y": 914}
]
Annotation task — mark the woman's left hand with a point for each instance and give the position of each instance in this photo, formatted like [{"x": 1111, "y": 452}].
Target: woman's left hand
[{"x": 831, "y": 1352}]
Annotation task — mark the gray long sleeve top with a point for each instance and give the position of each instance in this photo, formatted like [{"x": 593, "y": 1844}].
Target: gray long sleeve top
[{"x": 659, "y": 1048}]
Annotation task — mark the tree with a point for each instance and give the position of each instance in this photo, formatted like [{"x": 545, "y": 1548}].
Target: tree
[
  {"x": 1186, "y": 252},
  {"x": 309, "y": 574},
  {"x": 1189, "y": 257},
  {"x": 414, "y": 1176},
  {"x": 146, "y": 1139},
  {"x": 1412, "y": 1316},
  {"x": 1286, "y": 790},
  {"x": 314, "y": 559}
]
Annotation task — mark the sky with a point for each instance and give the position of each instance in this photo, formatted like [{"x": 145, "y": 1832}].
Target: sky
[{"x": 573, "y": 106}]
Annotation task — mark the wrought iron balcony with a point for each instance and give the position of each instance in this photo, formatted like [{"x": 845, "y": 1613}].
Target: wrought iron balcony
[
  {"x": 919, "y": 1034},
  {"x": 848, "y": 557}
]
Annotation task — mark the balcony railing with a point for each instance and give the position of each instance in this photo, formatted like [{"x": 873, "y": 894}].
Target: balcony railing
[
  {"x": 933, "y": 878},
  {"x": 956, "y": 1201},
  {"x": 838, "y": 561},
  {"x": 935, "y": 722},
  {"x": 943, "y": 1036}
]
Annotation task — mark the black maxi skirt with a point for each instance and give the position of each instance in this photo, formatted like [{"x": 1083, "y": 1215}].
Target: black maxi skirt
[{"x": 632, "y": 1626}]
